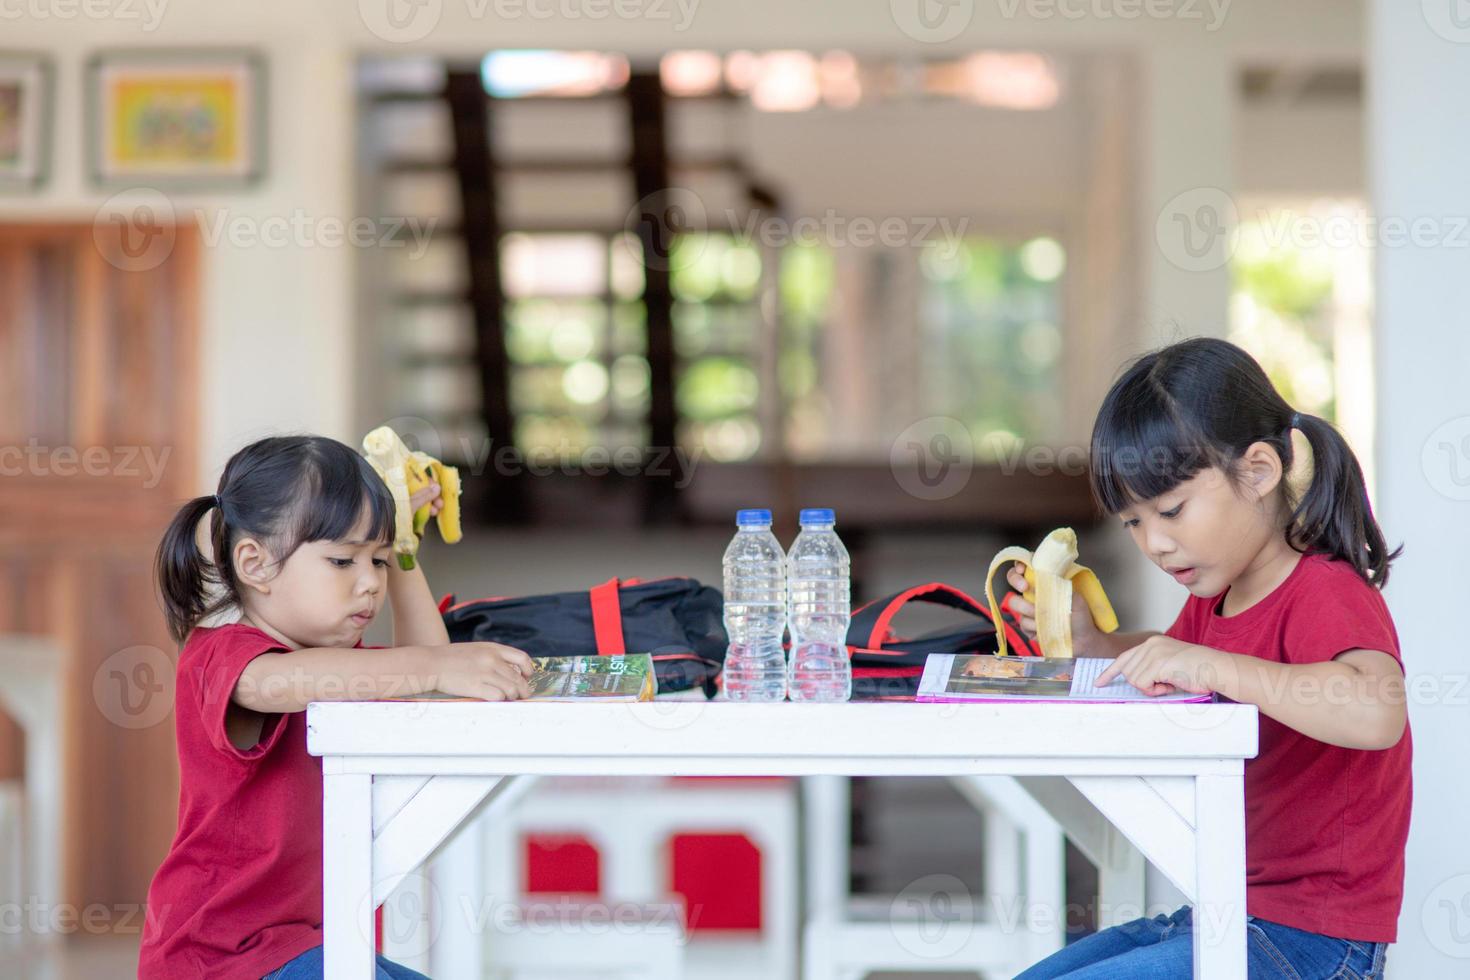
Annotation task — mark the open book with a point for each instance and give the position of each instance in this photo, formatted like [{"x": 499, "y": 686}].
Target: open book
[
  {"x": 628, "y": 677},
  {"x": 983, "y": 677}
]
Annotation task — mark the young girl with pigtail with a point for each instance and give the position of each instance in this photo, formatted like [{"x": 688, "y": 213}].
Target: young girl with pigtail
[
  {"x": 300, "y": 531},
  {"x": 1261, "y": 512}
]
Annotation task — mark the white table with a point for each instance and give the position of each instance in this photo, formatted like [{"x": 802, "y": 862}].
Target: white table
[{"x": 400, "y": 777}]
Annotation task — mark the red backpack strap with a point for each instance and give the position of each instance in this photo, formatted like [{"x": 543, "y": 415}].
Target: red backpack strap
[
  {"x": 934, "y": 592},
  {"x": 607, "y": 619}
]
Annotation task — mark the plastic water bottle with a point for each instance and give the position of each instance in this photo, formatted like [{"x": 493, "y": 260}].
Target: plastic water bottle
[
  {"x": 818, "y": 577},
  {"x": 755, "y": 611}
]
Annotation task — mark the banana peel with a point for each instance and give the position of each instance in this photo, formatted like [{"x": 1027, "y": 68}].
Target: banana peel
[
  {"x": 1052, "y": 573},
  {"x": 406, "y": 472}
]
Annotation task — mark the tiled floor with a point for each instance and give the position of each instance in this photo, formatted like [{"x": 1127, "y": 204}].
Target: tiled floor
[{"x": 80, "y": 958}]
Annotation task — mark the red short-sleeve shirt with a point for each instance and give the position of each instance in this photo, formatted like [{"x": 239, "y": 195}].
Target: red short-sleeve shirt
[
  {"x": 1325, "y": 826},
  {"x": 240, "y": 892}
]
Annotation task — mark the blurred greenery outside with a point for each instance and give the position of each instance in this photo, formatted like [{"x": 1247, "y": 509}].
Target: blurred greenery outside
[
  {"x": 1283, "y": 311},
  {"x": 988, "y": 348},
  {"x": 988, "y": 345}
]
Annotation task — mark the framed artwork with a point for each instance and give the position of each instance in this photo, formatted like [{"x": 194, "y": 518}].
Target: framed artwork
[
  {"x": 25, "y": 120},
  {"x": 177, "y": 118}
]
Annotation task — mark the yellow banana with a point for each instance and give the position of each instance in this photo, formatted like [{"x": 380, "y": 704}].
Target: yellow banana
[
  {"x": 406, "y": 473},
  {"x": 1051, "y": 574}
]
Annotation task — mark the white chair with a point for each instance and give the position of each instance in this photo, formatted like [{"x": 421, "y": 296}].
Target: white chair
[
  {"x": 630, "y": 821},
  {"x": 31, "y": 669},
  {"x": 936, "y": 925},
  {"x": 540, "y": 942}
]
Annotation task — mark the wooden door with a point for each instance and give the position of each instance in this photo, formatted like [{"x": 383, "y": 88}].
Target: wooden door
[{"x": 98, "y": 435}]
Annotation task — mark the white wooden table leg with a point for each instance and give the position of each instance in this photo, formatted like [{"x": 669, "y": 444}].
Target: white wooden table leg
[
  {"x": 1121, "y": 880},
  {"x": 1219, "y": 911},
  {"x": 461, "y": 912},
  {"x": 825, "y": 830},
  {"x": 1045, "y": 888},
  {"x": 347, "y": 874}
]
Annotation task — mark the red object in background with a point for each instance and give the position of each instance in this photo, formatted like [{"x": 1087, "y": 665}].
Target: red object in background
[
  {"x": 719, "y": 878},
  {"x": 561, "y": 864},
  {"x": 717, "y": 875}
]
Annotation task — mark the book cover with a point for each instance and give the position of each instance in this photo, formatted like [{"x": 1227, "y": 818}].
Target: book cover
[
  {"x": 627, "y": 677},
  {"x": 988, "y": 678}
]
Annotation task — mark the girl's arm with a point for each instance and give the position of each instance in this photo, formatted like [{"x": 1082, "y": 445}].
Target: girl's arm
[
  {"x": 416, "y": 618},
  {"x": 275, "y": 683},
  {"x": 1356, "y": 700}
]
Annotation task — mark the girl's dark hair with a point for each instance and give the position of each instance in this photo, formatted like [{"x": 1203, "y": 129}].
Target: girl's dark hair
[
  {"x": 1203, "y": 402},
  {"x": 285, "y": 491}
]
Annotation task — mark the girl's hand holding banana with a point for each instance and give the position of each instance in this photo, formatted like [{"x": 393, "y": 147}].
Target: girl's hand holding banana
[
  {"x": 1061, "y": 600},
  {"x": 1084, "y": 629}
]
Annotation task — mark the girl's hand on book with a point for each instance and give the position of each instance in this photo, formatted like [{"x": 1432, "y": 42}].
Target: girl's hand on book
[
  {"x": 1163, "y": 665},
  {"x": 489, "y": 671},
  {"x": 1084, "y": 630}
]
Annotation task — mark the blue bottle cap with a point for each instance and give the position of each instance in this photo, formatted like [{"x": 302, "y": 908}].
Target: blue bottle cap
[
  {"x": 817, "y": 515},
  {"x": 752, "y": 518}
]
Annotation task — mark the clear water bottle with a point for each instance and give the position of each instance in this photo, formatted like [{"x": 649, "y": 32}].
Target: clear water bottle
[
  {"x": 818, "y": 575},
  {"x": 755, "y": 611}
]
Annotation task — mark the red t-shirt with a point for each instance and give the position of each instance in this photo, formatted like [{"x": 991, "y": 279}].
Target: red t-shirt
[
  {"x": 240, "y": 892},
  {"x": 1325, "y": 826}
]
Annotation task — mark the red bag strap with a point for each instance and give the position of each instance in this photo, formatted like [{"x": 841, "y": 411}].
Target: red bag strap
[
  {"x": 607, "y": 619},
  {"x": 946, "y": 595},
  {"x": 931, "y": 592}
]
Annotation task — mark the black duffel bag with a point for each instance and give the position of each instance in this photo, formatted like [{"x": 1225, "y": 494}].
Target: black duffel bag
[{"x": 677, "y": 620}]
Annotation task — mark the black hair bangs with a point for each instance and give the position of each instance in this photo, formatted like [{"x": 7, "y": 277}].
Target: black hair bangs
[
  {"x": 1141, "y": 445},
  {"x": 341, "y": 491}
]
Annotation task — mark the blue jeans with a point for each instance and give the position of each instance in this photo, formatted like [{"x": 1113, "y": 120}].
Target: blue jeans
[
  {"x": 308, "y": 966},
  {"x": 1162, "y": 948}
]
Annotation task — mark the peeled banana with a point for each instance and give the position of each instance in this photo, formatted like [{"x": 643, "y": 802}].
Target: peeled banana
[
  {"x": 1051, "y": 573},
  {"x": 406, "y": 473}
]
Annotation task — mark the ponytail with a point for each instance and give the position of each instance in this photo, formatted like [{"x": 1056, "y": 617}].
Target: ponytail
[
  {"x": 1333, "y": 513},
  {"x": 185, "y": 575}
]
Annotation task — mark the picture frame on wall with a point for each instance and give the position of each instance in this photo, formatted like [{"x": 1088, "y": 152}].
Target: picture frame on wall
[
  {"x": 25, "y": 120},
  {"x": 177, "y": 118}
]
